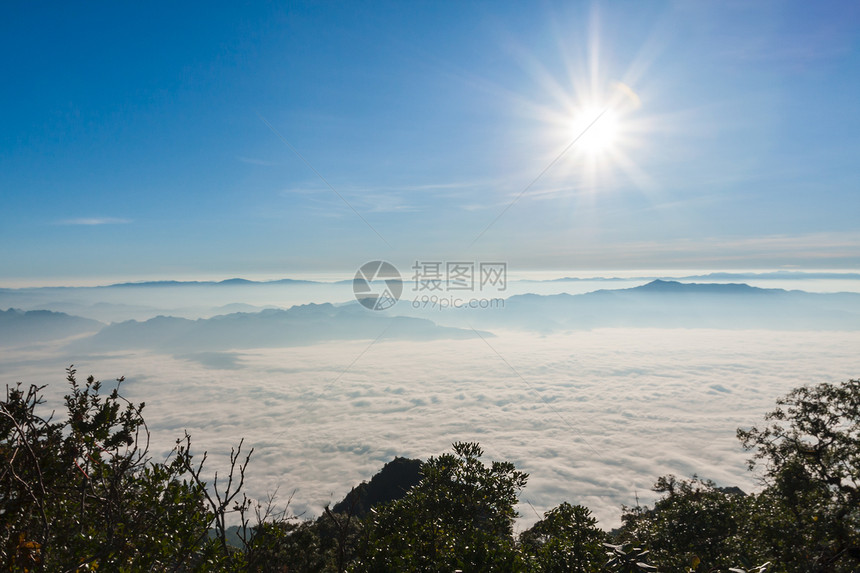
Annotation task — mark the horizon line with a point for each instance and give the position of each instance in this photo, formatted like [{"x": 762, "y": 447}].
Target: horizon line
[{"x": 334, "y": 277}]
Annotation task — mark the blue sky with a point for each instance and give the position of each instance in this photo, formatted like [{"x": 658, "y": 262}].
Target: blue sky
[{"x": 136, "y": 140}]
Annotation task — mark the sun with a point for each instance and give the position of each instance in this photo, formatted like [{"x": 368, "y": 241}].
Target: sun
[
  {"x": 591, "y": 126},
  {"x": 596, "y": 130}
]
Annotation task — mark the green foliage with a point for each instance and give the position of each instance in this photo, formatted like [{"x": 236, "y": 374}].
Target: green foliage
[
  {"x": 694, "y": 525},
  {"x": 567, "y": 539},
  {"x": 626, "y": 558},
  {"x": 459, "y": 516},
  {"x": 807, "y": 519},
  {"x": 811, "y": 456},
  {"x": 82, "y": 494},
  {"x": 329, "y": 543},
  {"x": 282, "y": 545}
]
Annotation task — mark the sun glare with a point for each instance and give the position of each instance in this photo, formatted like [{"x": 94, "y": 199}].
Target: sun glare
[
  {"x": 601, "y": 132},
  {"x": 591, "y": 123},
  {"x": 597, "y": 130}
]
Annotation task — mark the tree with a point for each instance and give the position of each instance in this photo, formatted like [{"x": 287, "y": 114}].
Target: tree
[
  {"x": 567, "y": 539},
  {"x": 811, "y": 455},
  {"x": 459, "y": 516},
  {"x": 694, "y": 525},
  {"x": 83, "y": 493}
]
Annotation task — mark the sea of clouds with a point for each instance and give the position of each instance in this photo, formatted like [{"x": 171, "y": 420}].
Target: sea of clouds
[{"x": 594, "y": 417}]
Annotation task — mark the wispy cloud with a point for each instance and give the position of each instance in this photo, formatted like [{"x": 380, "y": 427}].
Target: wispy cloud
[
  {"x": 833, "y": 249},
  {"x": 441, "y": 186},
  {"x": 96, "y": 221},
  {"x": 474, "y": 207}
]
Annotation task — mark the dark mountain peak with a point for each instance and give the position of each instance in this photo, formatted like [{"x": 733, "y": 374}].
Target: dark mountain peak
[
  {"x": 391, "y": 483},
  {"x": 731, "y": 490}
]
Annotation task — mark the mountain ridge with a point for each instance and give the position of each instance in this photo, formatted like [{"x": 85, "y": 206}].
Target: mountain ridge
[
  {"x": 673, "y": 304},
  {"x": 29, "y": 326}
]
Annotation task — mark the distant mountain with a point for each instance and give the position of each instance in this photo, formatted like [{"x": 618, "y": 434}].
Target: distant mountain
[
  {"x": 775, "y": 275},
  {"x": 675, "y": 287},
  {"x": 778, "y": 275},
  {"x": 574, "y": 280},
  {"x": 237, "y": 307},
  {"x": 671, "y": 304},
  {"x": 168, "y": 284},
  {"x": 26, "y": 327},
  {"x": 296, "y": 326},
  {"x": 391, "y": 483},
  {"x": 227, "y": 282}
]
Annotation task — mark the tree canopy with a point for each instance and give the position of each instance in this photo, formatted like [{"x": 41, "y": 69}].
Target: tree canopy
[{"x": 83, "y": 493}]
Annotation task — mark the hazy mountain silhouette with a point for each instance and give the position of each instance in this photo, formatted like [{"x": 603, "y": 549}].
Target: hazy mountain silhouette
[
  {"x": 187, "y": 299},
  {"x": 658, "y": 304},
  {"x": 777, "y": 275},
  {"x": 226, "y": 282},
  {"x": 299, "y": 325},
  {"x": 666, "y": 304},
  {"x": 796, "y": 275},
  {"x": 26, "y": 327}
]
